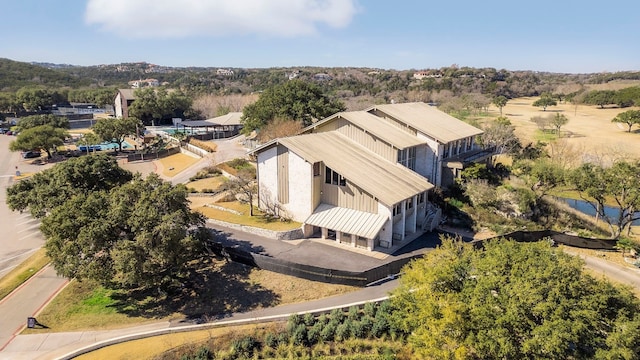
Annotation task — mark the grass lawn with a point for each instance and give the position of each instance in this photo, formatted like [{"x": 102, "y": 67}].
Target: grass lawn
[
  {"x": 176, "y": 163},
  {"x": 258, "y": 220},
  {"x": 23, "y": 272},
  {"x": 209, "y": 183},
  {"x": 88, "y": 306}
]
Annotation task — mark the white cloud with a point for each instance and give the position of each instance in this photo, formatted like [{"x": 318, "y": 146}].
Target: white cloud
[{"x": 182, "y": 18}]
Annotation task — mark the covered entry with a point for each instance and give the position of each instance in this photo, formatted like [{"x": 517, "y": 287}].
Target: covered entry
[{"x": 353, "y": 227}]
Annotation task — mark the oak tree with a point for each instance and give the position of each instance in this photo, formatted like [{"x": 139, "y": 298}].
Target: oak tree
[
  {"x": 43, "y": 137},
  {"x": 629, "y": 117}
]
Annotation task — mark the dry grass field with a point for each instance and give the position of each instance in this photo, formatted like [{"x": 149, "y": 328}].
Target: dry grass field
[{"x": 589, "y": 131}]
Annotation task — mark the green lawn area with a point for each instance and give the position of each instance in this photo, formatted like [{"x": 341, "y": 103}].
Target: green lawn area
[
  {"x": 23, "y": 272},
  {"x": 258, "y": 220}
]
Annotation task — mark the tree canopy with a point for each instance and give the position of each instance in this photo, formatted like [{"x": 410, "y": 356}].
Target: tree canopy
[
  {"x": 294, "y": 100},
  {"x": 50, "y": 188},
  {"x": 140, "y": 235},
  {"x": 116, "y": 130},
  {"x": 513, "y": 301},
  {"x": 619, "y": 183},
  {"x": 29, "y": 122},
  {"x": 545, "y": 101},
  {"x": 157, "y": 105},
  {"x": 629, "y": 117},
  {"x": 43, "y": 137},
  {"x": 500, "y": 102}
]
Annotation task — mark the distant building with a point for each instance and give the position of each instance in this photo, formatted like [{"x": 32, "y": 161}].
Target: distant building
[
  {"x": 322, "y": 77},
  {"x": 224, "y": 72},
  {"x": 124, "y": 98},
  {"x": 136, "y": 84}
]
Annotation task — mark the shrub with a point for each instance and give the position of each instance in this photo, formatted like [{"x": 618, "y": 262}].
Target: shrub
[
  {"x": 343, "y": 331},
  {"x": 206, "y": 146},
  {"x": 337, "y": 315},
  {"x": 270, "y": 340},
  {"x": 354, "y": 313},
  {"x": 245, "y": 346},
  {"x": 370, "y": 309},
  {"x": 322, "y": 319},
  {"x": 380, "y": 326},
  {"x": 328, "y": 332},
  {"x": 299, "y": 335},
  {"x": 309, "y": 319},
  {"x": 293, "y": 322},
  {"x": 313, "y": 334}
]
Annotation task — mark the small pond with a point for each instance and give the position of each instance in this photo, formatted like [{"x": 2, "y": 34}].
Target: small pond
[{"x": 586, "y": 208}]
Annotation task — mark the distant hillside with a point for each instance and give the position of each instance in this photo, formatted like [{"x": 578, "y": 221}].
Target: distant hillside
[{"x": 15, "y": 74}]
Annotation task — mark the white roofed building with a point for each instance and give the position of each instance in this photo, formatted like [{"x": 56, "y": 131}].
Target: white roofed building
[{"x": 362, "y": 178}]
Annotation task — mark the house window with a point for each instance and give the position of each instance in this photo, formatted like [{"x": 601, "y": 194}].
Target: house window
[
  {"x": 469, "y": 143},
  {"x": 333, "y": 178},
  {"x": 446, "y": 151},
  {"x": 397, "y": 210},
  {"x": 410, "y": 204},
  {"x": 421, "y": 198},
  {"x": 316, "y": 169},
  {"x": 407, "y": 158}
]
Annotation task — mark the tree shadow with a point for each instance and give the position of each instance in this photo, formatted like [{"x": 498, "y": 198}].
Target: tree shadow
[
  {"x": 216, "y": 290},
  {"x": 227, "y": 240}
]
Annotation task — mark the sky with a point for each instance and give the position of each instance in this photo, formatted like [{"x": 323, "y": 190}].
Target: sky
[{"x": 565, "y": 36}]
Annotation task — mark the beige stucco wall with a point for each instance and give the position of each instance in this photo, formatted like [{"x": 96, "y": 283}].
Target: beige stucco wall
[
  {"x": 300, "y": 204},
  {"x": 428, "y": 165},
  {"x": 267, "y": 176},
  {"x": 387, "y": 229}
]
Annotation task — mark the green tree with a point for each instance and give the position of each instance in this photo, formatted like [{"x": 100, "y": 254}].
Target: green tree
[
  {"x": 140, "y": 235},
  {"x": 90, "y": 139},
  {"x": 28, "y": 122},
  {"x": 294, "y": 100},
  {"x": 501, "y": 135},
  {"x": 50, "y": 188},
  {"x": 629, "y": 117},
  {"x": 34, "y": 98},
  {"x": 44, "y": 137},
  {"x": 619, "y": 183},
  {"x": 159, "y": 105},
  {"x": 558, "y": 121},
  {"x": 545, "y": 101},
  {"x": 512, "y": 300},
  {"x": 116, "y": 130},
  {"x": 500, "y": 102},
  {"x": 600, "y": 98}
]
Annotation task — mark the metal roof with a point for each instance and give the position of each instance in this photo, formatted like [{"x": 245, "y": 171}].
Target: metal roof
[
  {"x": 378, "y": 127},
  {"x": 388, "y": 182},
  {"x": 429, "y": 120},
  {"x": 128, "y": 94},
  {"x": 230, "y": 119},
  {"x": 349, "y": 221}
]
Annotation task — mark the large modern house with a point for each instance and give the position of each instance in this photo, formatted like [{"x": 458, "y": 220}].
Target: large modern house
[
  {"x": 124, "y": 98},
  {"x": 362, "y": 178}
]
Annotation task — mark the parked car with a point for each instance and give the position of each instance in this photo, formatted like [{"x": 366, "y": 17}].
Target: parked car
[
  {"x": 9, "y": 132},
  {"x": 31, "y": 154}
]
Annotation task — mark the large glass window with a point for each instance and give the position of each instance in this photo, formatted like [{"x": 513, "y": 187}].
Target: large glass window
[
  {"x": 333, "y": 178},
  {"x": 407, "y": 158}
]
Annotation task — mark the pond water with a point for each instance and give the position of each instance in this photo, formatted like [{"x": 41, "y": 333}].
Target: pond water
[{"x": 586, "y": 208}]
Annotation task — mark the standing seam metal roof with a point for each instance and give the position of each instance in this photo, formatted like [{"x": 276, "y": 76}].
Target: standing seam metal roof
[
  {"x": 389, "y": 183},
  {"x": 429, "y": 120},
  {"x": 347, "y": 220},
  {"x": 382, "y": 129}
]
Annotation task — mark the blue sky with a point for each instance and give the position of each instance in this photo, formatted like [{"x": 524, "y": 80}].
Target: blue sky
[{"x": 559, "y": 36}]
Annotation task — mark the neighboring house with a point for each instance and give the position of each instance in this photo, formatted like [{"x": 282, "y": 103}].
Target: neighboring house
[
  {"x": 123, "y": 100},
  {"x": 136, "y": 84},
  {"x": 363, "y": 177},
  {"x": 224, "y": 72}
]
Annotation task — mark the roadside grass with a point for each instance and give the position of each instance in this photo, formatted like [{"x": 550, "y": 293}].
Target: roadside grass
[
  {"x": 259, "y": 219},
  {"x": 212, "y": 183},
  {"x": 89, "y": 306},
  {"x": 176, "y": 163},
  {"x": 158, "y": 345},
  {"x": 23, "y": 272}
]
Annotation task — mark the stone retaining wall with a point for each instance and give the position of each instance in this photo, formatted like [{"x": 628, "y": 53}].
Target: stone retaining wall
[{"x": 277, "y": 235}]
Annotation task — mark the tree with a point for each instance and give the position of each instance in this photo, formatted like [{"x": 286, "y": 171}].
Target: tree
[
  {"x": 629, "y": 117},
  {"x": 116, "y": 130},
  {"x": 619, "y": 183},
  {"x": 500, "y": 102},
  {"x": 50, "y": 188},
  {"x": 44, "y": 137},
  {"x": 244, "y": 184},
  {"x": 88, "y": 140},
  {"x": 33, "y": 98},
  {"x": 29, "y": 122},
  {"x": 501, "y": 135},
  {"x": 139, "y": 235},
  {"x": 153, "y": 104},
  {"x": 512, "y": 300},
  {"x": 600, "y": 98},
  {"x": 545, "y": 101},
  {"x": 294, "y": 100},
  {"x": 279, "y": 127},
  {"x": 558, "y": 121}
]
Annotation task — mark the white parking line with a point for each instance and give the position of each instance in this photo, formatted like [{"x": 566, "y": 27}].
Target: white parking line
[
  {"x": 29, "y": 228},
  {"x": 28, "y": 221}
]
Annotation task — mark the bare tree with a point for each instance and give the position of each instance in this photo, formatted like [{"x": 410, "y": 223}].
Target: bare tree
[{"x": 244, "y": 184}]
